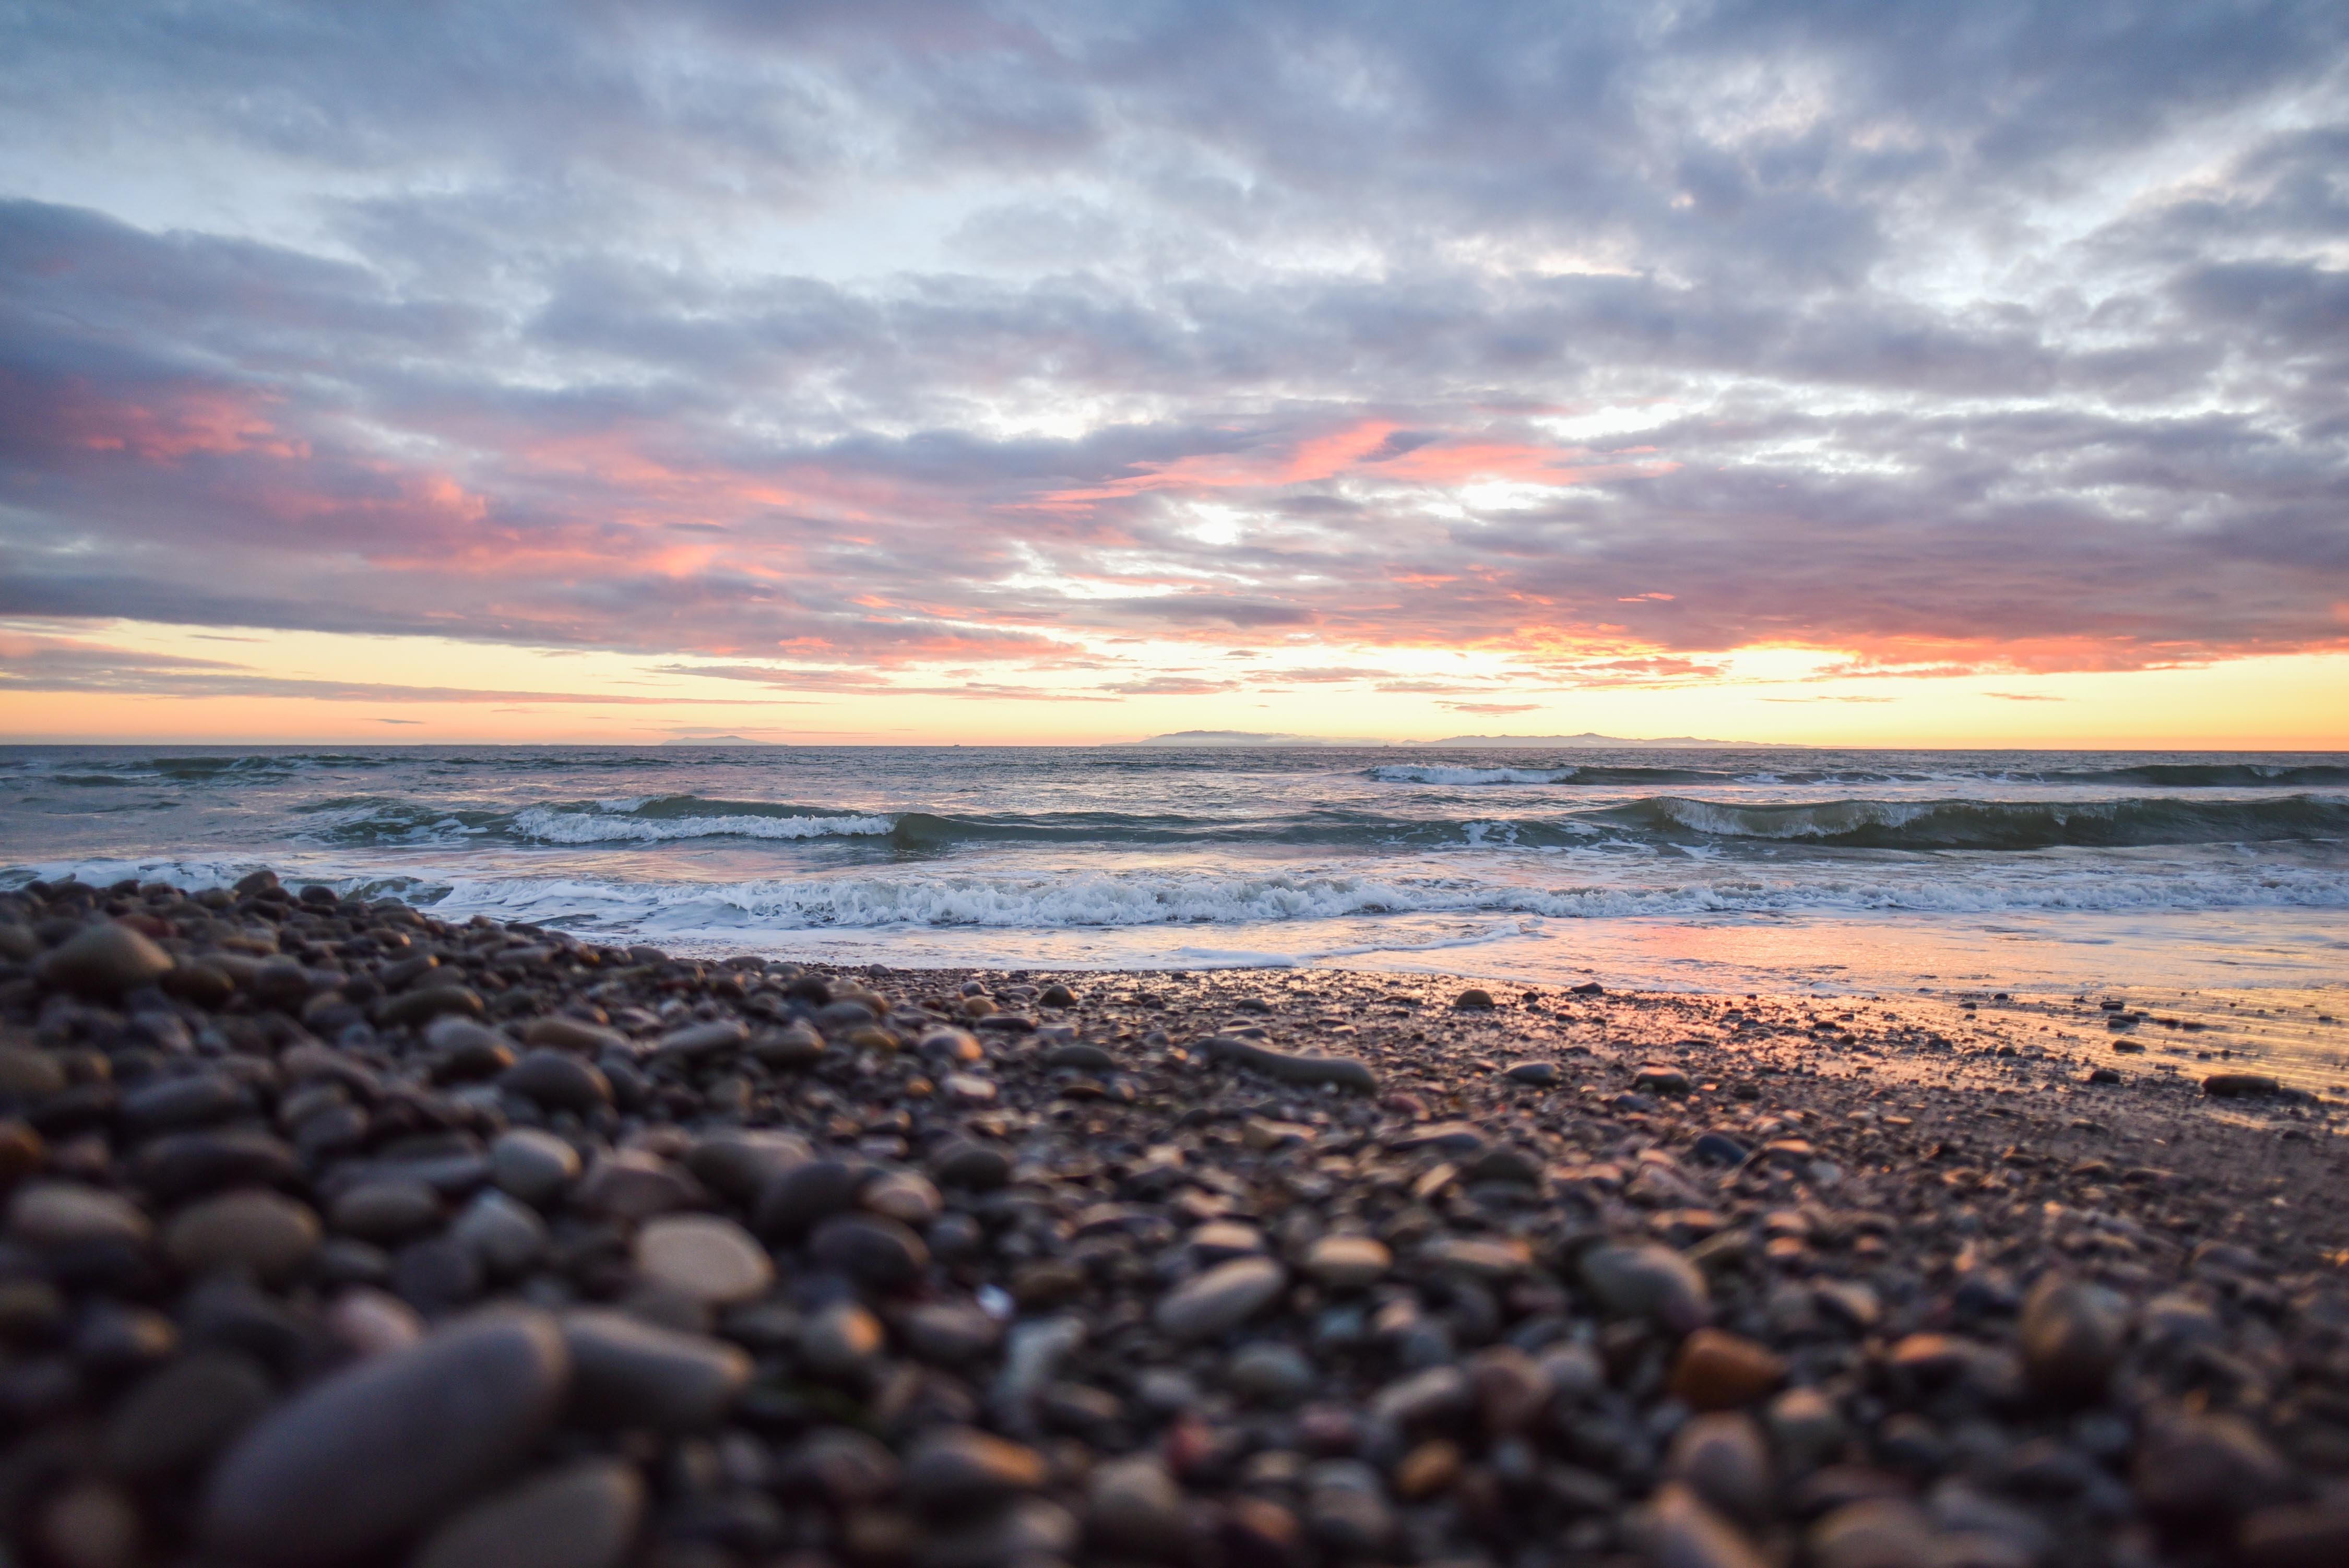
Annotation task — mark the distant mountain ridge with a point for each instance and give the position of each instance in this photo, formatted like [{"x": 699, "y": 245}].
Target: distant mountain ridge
[
  {"x": 1587, "y": 738},
  {"x": 1239, "y": 737},
  {"x": 1590, "y": 738}
]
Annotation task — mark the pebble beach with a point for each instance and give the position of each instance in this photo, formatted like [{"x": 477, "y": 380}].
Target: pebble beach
[{"x": 337, "y": 1232}]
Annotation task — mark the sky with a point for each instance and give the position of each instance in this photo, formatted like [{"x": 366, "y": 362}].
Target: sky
[{"x": 1846, "y": 373}]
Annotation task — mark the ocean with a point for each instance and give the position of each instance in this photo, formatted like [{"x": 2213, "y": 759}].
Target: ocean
[{"x": 1710, "y": 870}]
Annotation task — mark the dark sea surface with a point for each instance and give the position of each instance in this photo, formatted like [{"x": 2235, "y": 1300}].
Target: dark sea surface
[{"x": 1715, "y": 870}]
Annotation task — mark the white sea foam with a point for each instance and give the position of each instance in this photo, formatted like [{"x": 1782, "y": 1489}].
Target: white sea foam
[
  {"x": 1164, "y": 897},
  {"x": 610, "y": 824},
  {"x": 1431, "y": 773}
]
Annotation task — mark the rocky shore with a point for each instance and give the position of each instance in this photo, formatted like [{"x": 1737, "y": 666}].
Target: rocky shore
[{"x": 335, "y": 1234}]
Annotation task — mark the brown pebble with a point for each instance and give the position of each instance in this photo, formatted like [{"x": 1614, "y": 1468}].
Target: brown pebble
[
  {"x": 1718, "y": 1371},
  {"x": 1429, "y": 1468}
]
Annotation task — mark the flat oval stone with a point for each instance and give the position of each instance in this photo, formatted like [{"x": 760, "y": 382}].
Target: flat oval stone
[
  {"x": 629, "y": 1373},
  {"x": 1648, "y": 1281},
  {"x": 504, "y": 1235},
  {"x": 103, "y": 961},
  {"x": 533, "y": 1166},
  {"x": 573, "y": 1034},
  {"x": 800, "y": 1197},
  {"x": 905, "y": 1196},
  {"x": 68, "y": 1214},
  {"x": 191, "y": 1099},
  {"x": 251, "y": 1228},
  {"x": 584, "y": 1515},
  {"x": 960, "y": 1468},
  {"x": 386, "y": 1210},
  {"x": 1657, "y": 1077},
  {"x": 981, "y": 1167},
  {"x": 1717, "y": 1370},
  {"x": 694, "y": 1041},
  {"x": 1541, "y": 1075},
  {"x": 557, "y": 1081},
  {"x": 1717, "y": 1149},
  {"x": 1220, "y": 1299},
  {"x": 870, "y": 1249},
  {"x": 741, "y": 1162},
  {"x": 354, "y": 1463},
  {"x": 426, "y": 1003},
  {"x": 949, "y": 1332},
  {"x": 1346, "y": 1072},
  {"x": 1348, "y": 1262},
  {"x": 704, "y": 1258},
  {"x": 185, "y": 1164}
]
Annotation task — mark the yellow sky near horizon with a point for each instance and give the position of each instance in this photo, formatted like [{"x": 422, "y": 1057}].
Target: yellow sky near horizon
[{"x": 146, "y": 684}]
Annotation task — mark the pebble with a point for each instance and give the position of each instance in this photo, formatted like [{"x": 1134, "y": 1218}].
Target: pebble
[
  {"x": 959, "y": 1470},
  {"x": 386, "y": 1210},
  {"x": 697, "y": 1041},
  {"x": 1686, "y": 1533},
  {"x": 1220, "y": 1299},
  {"x": 1875, "y": 1532},
  {"x": 704, "y": 1258},
  {"x": 103, "y": 961},
  {"x": 1348, "y": 1262},
  {"x": 1643, "y": 1280},
  {"x": 949, "y": 1332},
  {"x": 2201, "y": 1467},
  {"x": 870, "y": 1249},
  {"x": 1804, "y": 1424},
  {"x": 251, "y": 1228},
  {"x": 68, "y": 1214},
  {"x": 774, "y": 1273},
  {"x": 505, "y": 1235},
  {"x": 799, "y": 1197},
  {"x": 1343, "y": 1071},
  {"x": 584, "y": 1515},
  {"x": 90, "y": 1524},
  {"x": 1722, "y": 1457},
  {"x": 2071, "y": 1336},
  {"x": 573, "y": 1034},
  {"x": 1271, "y": 1373},
  {"x": 185, "y": 1413},
  {"x": 534, "y": 1165},
  {"x": 372, "y": 1323},
  {"x": 842, "y": 1339},
  {"x": 739, "y": 1163},
  {"x": 980, "y": 1167},
  {"x": 1132, "y": 1505},
  {"x": 1717, "y": 1370},
  {"x": 2238, "y": 1086},
  {"x": 1512, "y": 1389},
  {"x": 629, "y": 1373},
  {"x": 558, "y": 1082},
  {"x": 355, "y": 1462}
]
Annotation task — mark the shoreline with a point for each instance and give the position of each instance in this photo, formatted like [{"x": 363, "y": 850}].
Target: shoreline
[{"x": 1257, "y": 1266}]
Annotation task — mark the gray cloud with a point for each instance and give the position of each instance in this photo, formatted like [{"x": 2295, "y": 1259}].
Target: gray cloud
[{"x": 866, "y": 336}]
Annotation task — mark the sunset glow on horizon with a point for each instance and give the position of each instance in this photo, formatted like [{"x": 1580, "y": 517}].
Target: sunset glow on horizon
[{"x": 951, "y": 373}]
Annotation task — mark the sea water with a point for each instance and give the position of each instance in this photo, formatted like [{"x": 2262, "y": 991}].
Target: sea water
[{"x": 1725, "y": 870}]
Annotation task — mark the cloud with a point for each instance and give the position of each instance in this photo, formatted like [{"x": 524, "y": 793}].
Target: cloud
[{"x": 829, "y": 343}]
